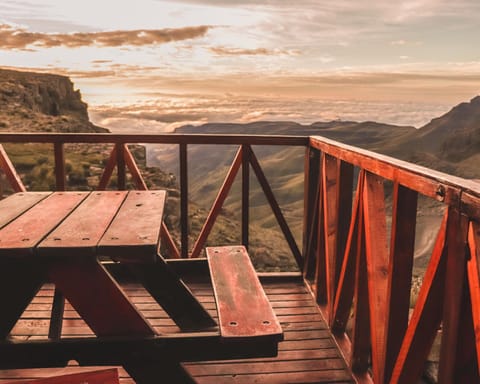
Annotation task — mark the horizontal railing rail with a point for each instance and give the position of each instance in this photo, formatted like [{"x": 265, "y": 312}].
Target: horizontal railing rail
[
  {"x": 122, "y": 159},
  {"x": 153, "y": 138}
]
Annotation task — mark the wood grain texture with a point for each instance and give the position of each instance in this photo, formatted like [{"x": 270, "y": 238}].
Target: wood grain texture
[
  {"x": 426, "y": 317},
  {"x": 402, "y": 246},
  {"x": 457, "y": 232},
  {"x": 304, "y": 356},
  {"x": 310, "y": 209},
  {"x": 20, "y": 237},
  {"x": 243, "y": 308},
  {"x": 330, "y": 218},
  {"x": 104, "y": 376},
  {"x": 60, "y": 176},
  {"x": 184, "y": 220},
  {"x": 134, "y": 233},
  {"x": 361, "y": 342},
  {"x": 377, "y": 267},
  {"x": 18, "y": 203},
  {"x": 79, "y": 233},
  {"x": 98, "y": 298},
  {"x": 346, "y": 284},
  {"x": 473, "y": 270}
]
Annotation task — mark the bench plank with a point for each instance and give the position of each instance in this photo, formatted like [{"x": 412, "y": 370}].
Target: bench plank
[
  {"x": 14, "y": 205},
  {"x": 80, "y": 233},
  {"x": 20, "y": 237},
  {"x": 133, "y": 235},
  {"x": 243, "y": 308}
]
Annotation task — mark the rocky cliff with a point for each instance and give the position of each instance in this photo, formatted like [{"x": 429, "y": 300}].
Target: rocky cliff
[{"x": 32, "y": 102}]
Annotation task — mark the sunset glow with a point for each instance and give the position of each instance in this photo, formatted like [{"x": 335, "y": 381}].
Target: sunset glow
[{"x": 155, "y": 65}]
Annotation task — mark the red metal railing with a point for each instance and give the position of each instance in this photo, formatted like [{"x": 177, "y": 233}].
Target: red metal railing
[{"x": 359, "y": 268}]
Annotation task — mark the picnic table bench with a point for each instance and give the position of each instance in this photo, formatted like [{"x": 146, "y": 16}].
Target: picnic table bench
[{"x": 62, "y": 237}]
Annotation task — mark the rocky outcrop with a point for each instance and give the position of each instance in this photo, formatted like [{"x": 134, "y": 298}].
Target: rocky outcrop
[{"x": 32, "y": 102}]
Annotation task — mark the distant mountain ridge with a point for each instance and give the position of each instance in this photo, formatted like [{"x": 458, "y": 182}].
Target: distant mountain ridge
[{"x": 449, "y": 143}]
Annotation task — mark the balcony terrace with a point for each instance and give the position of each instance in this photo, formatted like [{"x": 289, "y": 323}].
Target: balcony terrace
[{"x": 347, "y": 313}]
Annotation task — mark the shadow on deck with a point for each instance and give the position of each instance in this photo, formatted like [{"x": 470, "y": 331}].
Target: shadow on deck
[{"x": 307, "y": 355}]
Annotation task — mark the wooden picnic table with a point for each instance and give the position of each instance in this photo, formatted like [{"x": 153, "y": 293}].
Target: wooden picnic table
[{"x": 62, "y": 238}]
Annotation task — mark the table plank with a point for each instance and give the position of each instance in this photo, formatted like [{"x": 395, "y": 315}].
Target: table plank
[
  {"x": 14, "y": 205},
  {"x": 20, "y": 237},
  {"x": 80, "y": 233},
  {"x": 243, "y": 307},
  {"x": 133, "y": 235}
]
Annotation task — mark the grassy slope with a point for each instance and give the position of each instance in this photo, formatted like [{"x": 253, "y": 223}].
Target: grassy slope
[{"x": 449, "y": 143}]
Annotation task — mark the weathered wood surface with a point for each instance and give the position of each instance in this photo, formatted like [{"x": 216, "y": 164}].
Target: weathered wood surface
[
  {"x": 152, "y": 138},
  {"x": 17, "y": 204},
  {"x": 21, "y": 236},
  {"x": 134, "y": 233},
  {"x": 243, "y": 308},
  {"x": 307, "y": 355},
  {"x": 98, "y": 298},
  {"x": 79, "y": 234},
  {"x": 104, "y": 376}
]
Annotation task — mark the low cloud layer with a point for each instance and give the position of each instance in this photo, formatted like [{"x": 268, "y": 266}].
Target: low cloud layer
[
  {"x": 226, "y": 51},
  {"x": 18, "y": 38},
  {"x": 165, "y": 112}
]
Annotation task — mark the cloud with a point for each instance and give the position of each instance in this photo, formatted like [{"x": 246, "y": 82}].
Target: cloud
[
  {"x": 166, "y": 113},
  {"x": 406, "y": 42},
  {"x": 226, "y": 51},
  {"x": 19, "y": 38}
]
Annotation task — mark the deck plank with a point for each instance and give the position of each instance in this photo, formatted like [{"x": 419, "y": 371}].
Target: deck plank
[{"x": 307, "y": 355}]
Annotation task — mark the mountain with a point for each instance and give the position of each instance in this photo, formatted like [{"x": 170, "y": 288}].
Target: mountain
[
  {"x": 450, "y": 143},
  {"x": 33, "y": 102}
]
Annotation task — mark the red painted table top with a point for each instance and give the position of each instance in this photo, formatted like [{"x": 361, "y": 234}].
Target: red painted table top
[{"x": 78, "y": 224}]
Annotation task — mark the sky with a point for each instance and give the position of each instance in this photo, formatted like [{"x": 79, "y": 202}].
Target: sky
[{"x": 154, "y": 65}]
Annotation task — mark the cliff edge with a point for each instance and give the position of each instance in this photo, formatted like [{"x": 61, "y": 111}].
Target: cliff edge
[{"x": 34, "y": 102}]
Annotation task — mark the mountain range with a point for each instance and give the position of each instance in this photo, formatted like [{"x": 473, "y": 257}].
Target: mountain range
[
  {"x": 449, "y": 143},
  {"x": 31, "y": 102}
]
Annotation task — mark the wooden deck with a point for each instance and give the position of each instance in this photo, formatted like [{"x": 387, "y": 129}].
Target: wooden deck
[{"x": 307, "y": 355}]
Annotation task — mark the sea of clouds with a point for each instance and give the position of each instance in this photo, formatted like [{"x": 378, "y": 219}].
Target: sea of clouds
[{"x": 157, "y": 113}]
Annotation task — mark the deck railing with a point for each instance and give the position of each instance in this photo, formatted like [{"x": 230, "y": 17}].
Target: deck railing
[
  {"x": 122, "y": 159},
  {"x": 362, "y": 274},
  {"x": 358, "y": 266}
]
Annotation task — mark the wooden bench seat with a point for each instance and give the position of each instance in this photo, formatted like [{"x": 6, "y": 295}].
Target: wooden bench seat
[
  {"x": 243, "y": 308},
  {"x": 103, "y": 376}
]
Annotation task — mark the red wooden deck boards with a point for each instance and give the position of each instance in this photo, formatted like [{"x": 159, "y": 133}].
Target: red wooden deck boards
[{"x": 307, "y": 355}]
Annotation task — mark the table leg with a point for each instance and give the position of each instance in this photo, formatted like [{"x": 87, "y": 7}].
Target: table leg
[
  {"x": 98, "y": 299},
  {"x": 20, "y": 280}
]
